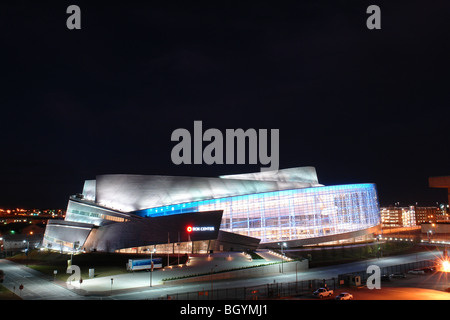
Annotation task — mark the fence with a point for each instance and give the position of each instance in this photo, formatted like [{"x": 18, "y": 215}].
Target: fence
[
  {"x": 266, "y": 291},
  {"x": 246, "y": 273},
  {"x": 286, "y": 289}
]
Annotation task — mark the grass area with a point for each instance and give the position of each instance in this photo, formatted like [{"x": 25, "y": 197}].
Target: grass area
[
  {"x": 6, "y": 294},
  {"x": 254, "y": 255},
  {"x": 104, "y": 264}
]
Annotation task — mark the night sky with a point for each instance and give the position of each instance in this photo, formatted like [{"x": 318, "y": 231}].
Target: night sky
[{"x": 359, "y": 105}]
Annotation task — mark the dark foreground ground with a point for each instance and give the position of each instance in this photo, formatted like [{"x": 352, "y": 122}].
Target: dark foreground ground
[{"x": 413, "y": 287}]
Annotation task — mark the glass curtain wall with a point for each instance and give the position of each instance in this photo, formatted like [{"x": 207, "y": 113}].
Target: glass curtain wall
[{"x": 290, "y": 214}]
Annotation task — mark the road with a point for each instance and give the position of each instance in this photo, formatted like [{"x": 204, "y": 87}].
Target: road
[
  {"x": 35, "y": 285},
  {"x": 413, "y": 287},
  {"x": 38, "y": 287}
]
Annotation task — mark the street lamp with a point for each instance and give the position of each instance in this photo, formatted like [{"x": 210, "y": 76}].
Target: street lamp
[
  {"x": 151, "y": 263},
  {"x": 28, "y": 248},
  {"x": 282, "y": 244},
  {"x": 215, "y": 266},
  {"x": 74, "y": 247}
]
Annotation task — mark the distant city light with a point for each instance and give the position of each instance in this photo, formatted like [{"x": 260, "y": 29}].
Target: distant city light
[{"x": 445, "y": 266}]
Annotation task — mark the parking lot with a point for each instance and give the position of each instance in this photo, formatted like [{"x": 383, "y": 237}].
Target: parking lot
[{"x": 428, "y": 286}]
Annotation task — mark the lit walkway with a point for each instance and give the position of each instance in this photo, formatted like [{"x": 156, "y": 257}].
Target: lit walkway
[{"x": 269, "y": 255}]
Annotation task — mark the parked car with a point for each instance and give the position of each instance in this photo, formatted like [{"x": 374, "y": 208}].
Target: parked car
[
  {"x": 428, "y": 269},
  {"x": 416, "y": 271},
  {"x": 344, "y": 296},
  {"x": 323, "y": 292},
  {"x": 385, "y": 277},
  {"x": 398, "y": 275}
]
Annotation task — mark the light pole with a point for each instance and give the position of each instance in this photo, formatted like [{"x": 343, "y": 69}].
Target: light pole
[
  {"x": 282, "y": 244},
  {"x": 151, "y": 263},
  {"x": 28, "y": 248},
  {"x": 178, "y": 248},
  {"x": 74, "y": 247},
  {"x": 212, "y": 281}
]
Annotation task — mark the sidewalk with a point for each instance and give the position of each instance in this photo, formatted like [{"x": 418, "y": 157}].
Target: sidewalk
[
  {"x": 198, "y": 265},
  {"x": 36, "y": 286}
]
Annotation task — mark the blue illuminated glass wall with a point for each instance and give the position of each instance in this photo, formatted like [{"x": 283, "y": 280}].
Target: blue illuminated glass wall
[{"x": 290, "y": 214}]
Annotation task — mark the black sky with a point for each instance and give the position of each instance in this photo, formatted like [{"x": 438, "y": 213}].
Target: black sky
[{"x": 360, "y": 105}]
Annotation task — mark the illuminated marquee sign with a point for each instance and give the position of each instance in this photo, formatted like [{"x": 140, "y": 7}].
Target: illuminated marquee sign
[{"x": 190, "y": 229}]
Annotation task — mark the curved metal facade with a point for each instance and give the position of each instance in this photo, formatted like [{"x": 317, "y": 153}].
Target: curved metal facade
[{"x": 125, "y": 192}]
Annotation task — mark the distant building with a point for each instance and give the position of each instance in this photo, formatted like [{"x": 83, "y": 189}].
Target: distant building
[
  {"x": 411, "y": 216},
  {"x": 20, "y": 242},
  {"x": 438, "y": 231},
  {"x": 428, "y": 214},
  {"x": 398, "y": 216},
  {"x": 441, "y": 182}
]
